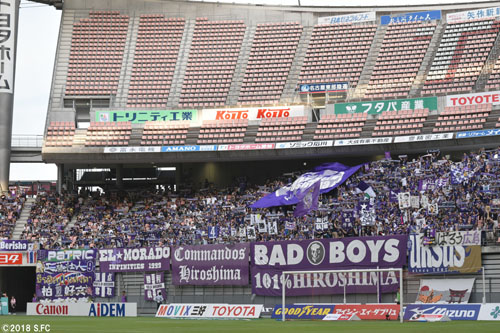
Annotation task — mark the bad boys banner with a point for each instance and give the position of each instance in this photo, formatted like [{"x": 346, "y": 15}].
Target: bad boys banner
[
  {"x": 270, "y": 259},
  {"x": 135, "y": 259},
  {"x": 218, "y": 264}
]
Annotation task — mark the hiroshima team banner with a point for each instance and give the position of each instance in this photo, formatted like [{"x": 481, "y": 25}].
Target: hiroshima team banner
[
  {"x": 135, "y": 259},
  {"x": 253, "y": 113},
  {"x": 270, "y": 259},
  {"x": 218, "y": 264},
  {"x": 376, "y": 107},
  {"x": 138, "y": 117},
  {"x": 454, "y": 256}
]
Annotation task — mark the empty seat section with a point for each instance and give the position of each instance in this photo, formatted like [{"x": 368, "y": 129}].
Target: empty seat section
[
  {"x": 164, "y": 133},
  {"x": 461, "y": 118},
  {"x": 404, "y": 122},
  {"x": 222, "y": 131},
  {"x": 271, "y": 56},
  {"x": 156, "y": 53},
  {"x": 108, "y": 134},
  {"x": 461, "y": 55},
  {"x": 340, "y": 126},
  {"x": 400, "y": 57},
  {"x": 96, "y": 55},
  {"x": 214, "y": 52},
  {"x": 281, "y": 129},
  {"x": 337, "y": 53},
  {"x": 60, "y": 134},
  {"x": 494, "y": 78}
]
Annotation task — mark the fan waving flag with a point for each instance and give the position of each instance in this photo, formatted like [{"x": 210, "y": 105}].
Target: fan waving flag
[
  {"x": 308, "y": 200},
  {"x": 366, "y": 189},
  {"x": 330, "y": 176}
]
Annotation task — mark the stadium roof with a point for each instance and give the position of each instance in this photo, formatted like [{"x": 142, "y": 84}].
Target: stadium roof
[{"x": 327, "y": 3}]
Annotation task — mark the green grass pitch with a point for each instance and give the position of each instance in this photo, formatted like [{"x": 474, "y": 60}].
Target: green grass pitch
[{"x": 151, "y": 324}]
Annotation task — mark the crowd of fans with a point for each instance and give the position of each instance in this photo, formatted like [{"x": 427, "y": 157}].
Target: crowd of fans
[
  {"x": 10, "y": 210},
  {"x": 451, "y": 195}
]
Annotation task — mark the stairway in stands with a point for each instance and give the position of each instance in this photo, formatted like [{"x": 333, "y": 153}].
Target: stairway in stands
[{"x": 23, "y": 219}]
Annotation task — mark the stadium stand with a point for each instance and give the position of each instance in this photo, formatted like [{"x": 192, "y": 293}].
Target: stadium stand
[
  {"x": 493, "y": 82},
  {"x": 144, "y": 217},
  {"x": 340, "y": 126},
  {"x": 271, "y": 58},
  {"x": 463, "y": 51},
  {"x": 157, "y": 133},
  {"x": 212, "y": 60},
  {"x": 156, "y": 53},
  {"x": 108, "y": 134},
  {"x": 404, "y": 122},
  {"x": 222, "y": 131},
  {"x": 337, "y": 53},
  {"x": 10, "y": 210},
  {"x": 463, "y": 118},
  {"x": 60, "y": 134},
  {"x": 399, "y": 59},
  {"x": 97, "y": 49},
  {"x": 281, "y": 129}
]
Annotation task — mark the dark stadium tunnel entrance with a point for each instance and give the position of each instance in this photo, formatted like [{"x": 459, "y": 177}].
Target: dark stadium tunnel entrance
[{"x": 20, "y": 283}]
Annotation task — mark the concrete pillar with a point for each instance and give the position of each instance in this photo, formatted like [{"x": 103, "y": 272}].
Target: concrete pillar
[
  {"x": 60, "y": 178},
  {"x": 119, "y": 175},
  {"x": 10, "y": 10}
]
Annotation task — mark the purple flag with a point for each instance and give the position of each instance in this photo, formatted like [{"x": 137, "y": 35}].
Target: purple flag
[
  {"x": 308, "y": 200},
  {"x": 217, "y": 264},
  {"x": 104, "y": 285},
  {"x": 388, "y": 155},
  {"x": 270, "y": 259},
  {"x": 329, "y": 175}
]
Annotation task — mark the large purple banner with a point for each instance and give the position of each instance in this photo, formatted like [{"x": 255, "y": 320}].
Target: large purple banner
[
  {"x": 270, "y": 259},
  {"x": 217, "y": 264},
  {"x": 135, "y": 259}
]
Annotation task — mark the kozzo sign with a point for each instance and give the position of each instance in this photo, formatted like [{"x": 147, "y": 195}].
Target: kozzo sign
[{"x": 253, "y": 113}]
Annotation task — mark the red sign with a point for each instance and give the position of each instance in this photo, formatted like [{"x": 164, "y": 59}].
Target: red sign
[
  {"x": 369, "y": 311},
  {"x": 11, "y": 258}
]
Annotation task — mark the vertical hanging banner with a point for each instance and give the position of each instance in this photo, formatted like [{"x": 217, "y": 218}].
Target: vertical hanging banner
[
  {"x": 154, "y": 283},
  {"x": 7, "y": 45},
  {"x": 454, "y": 252},
  {"x": 218, "y": 264},
  {"x": 65, "y": 274},
  {"x": 104, "y": 285},
  {"x": 270, "y": 259}
]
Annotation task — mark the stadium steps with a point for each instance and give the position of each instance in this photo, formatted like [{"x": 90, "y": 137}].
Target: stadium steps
[
  {"x": 23, "y": 218},
  {"x": 290, "y": 90},
  {"x": 425, "y": 66},
  {"x": 430, "y": 123},
  {"x": 492, "y": 119},
  {"x": 192, "y": 136},
  {"x": 308, "y": 134},
  {"x": 241, "y": 66},
  {"x": 368, "y": 128},
  {"x": 71, "y": 223},
  {"x": 488, "y": 66},
  {"x": 371, "y": 60},
  {"x": 127, "y": 64},
  {"x": 136, "y": 135},
  {"x": 79, "y": 137},
  {"x": 251, "y": 134},
  {"x": 181, "y": 65}
]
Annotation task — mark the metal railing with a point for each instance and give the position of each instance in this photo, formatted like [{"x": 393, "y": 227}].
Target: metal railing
[{"x": 31, "y": 141}]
